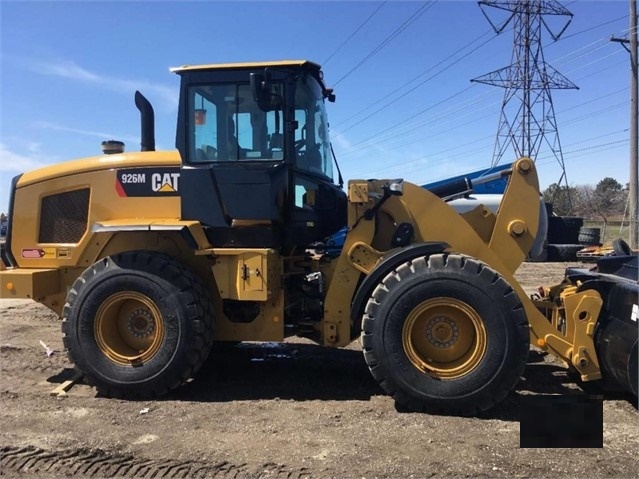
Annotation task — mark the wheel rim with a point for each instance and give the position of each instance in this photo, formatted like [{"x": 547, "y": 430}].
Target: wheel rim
[
  {"x": 444, "y": 337},
  {"x": 129, "y": 328}
]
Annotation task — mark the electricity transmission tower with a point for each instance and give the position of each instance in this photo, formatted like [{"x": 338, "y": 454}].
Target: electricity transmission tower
[{"x": 527, "y": 121}]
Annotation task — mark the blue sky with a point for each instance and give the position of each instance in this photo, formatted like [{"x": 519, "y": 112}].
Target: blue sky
[{"x": 405, "y": 104}]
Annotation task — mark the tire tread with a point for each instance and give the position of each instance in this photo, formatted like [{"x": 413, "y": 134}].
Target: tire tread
[{"x": 486, "y": 399}]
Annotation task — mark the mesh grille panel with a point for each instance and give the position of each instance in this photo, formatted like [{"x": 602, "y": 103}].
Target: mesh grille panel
[{"x": 63, "y": 217}]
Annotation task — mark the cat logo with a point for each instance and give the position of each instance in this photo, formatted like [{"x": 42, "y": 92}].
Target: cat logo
[
  {"x": 165, "y": 182},
  {"x": 147, "y": 182}
]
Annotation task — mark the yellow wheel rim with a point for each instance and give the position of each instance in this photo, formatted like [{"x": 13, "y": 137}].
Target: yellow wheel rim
[
  {"x": 444, "y": 337},
  {"x": 129, "y": 328}
]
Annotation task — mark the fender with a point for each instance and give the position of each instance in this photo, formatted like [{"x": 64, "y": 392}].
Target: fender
[
  {"x": 190, "y": 231},
  {"x": 384, "y": 267}
]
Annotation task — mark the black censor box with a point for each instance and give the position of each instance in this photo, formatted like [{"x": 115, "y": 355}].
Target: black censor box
[{"x": 550, "y": 421}]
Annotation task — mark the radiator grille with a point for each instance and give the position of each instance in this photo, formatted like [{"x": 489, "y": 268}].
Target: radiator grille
[{"x": 63, "y": 217}]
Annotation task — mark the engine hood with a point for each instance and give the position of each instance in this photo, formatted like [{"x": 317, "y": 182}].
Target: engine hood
[{"x": 99, "y": 163}]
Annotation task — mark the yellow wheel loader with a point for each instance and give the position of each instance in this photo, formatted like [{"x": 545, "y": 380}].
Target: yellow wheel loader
[{"x": 153, "y": 258}]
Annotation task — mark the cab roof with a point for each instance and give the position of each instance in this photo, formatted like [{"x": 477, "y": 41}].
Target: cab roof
[{"x": 228, "y": 66}]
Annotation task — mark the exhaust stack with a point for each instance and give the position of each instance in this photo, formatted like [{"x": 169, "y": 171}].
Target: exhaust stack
[{"x": 147, "y": 120}]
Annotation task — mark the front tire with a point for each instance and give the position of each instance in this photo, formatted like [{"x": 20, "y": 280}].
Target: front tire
[
  {"x": 445, "y": 334},
  {"x": 137, "y": 325}
]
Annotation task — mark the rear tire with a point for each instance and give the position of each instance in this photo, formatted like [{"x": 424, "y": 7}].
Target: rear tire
[
  {"x": 445, "y": 334},
  {"x": 137, "y": 325}
]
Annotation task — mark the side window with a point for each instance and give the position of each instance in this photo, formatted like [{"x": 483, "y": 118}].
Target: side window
[{"x": 205, "y": 131}]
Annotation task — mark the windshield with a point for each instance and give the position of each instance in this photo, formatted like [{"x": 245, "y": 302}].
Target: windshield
[
  {"x": 312, "y": 144},
  {"x": 226, "y": 124}
]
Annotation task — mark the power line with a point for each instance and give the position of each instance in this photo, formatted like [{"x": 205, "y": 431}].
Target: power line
[
  {"x": 417, "y": 114},
  {"x": 565, "y": 59},
  {"x": 591, "y": 148},
  {"x": 539, "y": 162},
  {"x": 383, "y": 137},
  {"x": 465, "y": 106},
  {"x": 597, "y": 71},
  {"x": 413, "y": 80},
  {"x": 600, "y": 97},
  {"x": 417, "y": 86},
  {"x": 589, "y": 115},
  {"x": 412, "y": 18},
  {"x": 465, "y": 154},
  {"x": 597, "y": 137},
  {"x": 422, "y": 123},
  {"x": 594, "y": 27},
  {"x": 432, "y": 157},
  {"x": 354, "y": 33}
]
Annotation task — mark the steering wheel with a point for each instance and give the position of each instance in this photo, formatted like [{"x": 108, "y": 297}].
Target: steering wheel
[{"x": 621, "y": 248}]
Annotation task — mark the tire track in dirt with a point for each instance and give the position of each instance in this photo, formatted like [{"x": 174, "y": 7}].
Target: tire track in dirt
[{"x": 31, "y": 460}]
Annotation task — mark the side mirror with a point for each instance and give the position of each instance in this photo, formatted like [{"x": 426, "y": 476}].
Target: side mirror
[{"x": 329, "y": 95}]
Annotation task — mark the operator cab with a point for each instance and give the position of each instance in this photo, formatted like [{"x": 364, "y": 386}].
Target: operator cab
[{"x": 257, "y": 169}]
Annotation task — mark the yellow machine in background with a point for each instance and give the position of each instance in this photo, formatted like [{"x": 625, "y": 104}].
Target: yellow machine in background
[{"x": 153, "y": 258}]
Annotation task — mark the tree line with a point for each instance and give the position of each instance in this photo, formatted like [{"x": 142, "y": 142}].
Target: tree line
[{"x": 603, "y": 202}]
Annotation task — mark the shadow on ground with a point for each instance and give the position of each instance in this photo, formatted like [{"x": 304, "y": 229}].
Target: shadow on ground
[
  {"x": 302, "y": 372},
  {"x": 281, "y": 370}
]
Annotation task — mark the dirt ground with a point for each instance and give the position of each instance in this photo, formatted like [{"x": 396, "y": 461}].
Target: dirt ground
[{"x": 291, "y": 410}]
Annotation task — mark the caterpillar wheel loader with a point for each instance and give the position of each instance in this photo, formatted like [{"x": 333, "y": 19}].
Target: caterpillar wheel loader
[{"x": 153, "y": 258}]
